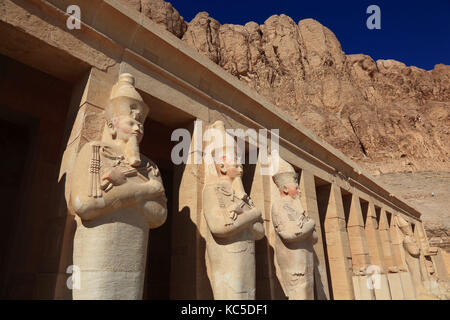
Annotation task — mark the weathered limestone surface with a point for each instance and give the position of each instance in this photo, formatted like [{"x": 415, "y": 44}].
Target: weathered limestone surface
[
  {"x": 392, "y": 269},
  {"x": 359, "y": 250},
  {"x": 376, "y": 252},
  {"x": 303, "y": 70},
  {"x": 161, "y": 12},
  {"x": 413, "y": 260},
  {"x": 337, "y": 243},
  {"x": 395, "y": 286}
]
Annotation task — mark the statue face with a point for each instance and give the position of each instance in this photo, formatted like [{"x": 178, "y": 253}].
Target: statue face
[
  {"x": 290, "y": 189},
  {"x": 231, "y": 170},
  {"x": 127, "y": 128},
  {"x": 234, "y": 170}
]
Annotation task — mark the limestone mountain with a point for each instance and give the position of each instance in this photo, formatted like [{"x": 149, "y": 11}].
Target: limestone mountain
[
  {"x": 383, "y": 114},
  {"x": 388, "y": 117}
]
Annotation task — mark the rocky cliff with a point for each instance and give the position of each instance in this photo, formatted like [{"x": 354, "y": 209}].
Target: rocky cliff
[{"x": 388, "y": 117}]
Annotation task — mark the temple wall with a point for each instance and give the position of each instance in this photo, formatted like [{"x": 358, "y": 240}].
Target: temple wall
[{"x": 31, "y": 107}]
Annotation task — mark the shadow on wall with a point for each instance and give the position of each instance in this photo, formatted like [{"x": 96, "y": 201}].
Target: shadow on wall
[{"x": 323, "y": 190}]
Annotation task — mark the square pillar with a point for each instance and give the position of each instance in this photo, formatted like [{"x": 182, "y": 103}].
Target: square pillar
[
  {"x": 376, "y": 252},
  {"x": 338, "y": 249},
  {"x": 359, "y": 250},
  {"x": 309, "y": 202},
  {"x": 188, "y": 279},
  {"x": 389, "y": 258},
  {"x": 267, "y": 282},
  {"x": 385, "y": 238}
]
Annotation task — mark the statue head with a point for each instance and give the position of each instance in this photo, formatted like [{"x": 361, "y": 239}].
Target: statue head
[
  {"x": 404, "y": 226},
  {"x": 229, "y": 168},
  {"x": 286, "y": 179},
  {"x": 125, "y": 116},
  {"x": 224, "y": 154}
]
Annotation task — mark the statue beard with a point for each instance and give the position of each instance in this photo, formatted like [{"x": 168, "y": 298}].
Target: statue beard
[
  {"x": 238, "y": 188},
  {"x": 132, "y": 151},
  {"x": 296, "y": 196}
]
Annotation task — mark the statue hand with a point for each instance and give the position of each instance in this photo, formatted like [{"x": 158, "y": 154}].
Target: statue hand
[
  {"x": 233, "y": 213},
  {"x": 315, "y": 237},
  {"x": 235, "y": 209},
  {"x": 258, "y": 229},
  {"x": 114, "y": 177}
]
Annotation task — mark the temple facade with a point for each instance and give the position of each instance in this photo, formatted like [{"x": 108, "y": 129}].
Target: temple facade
[{"x": 58, "y": 82}]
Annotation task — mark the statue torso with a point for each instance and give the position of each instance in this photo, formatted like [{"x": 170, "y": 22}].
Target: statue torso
[
  {"x": 92, "y": 196},
  {"x": 294, "y": 259},
  {"x": 289, "y": 220},
  {"x": 230, "y": 260}
]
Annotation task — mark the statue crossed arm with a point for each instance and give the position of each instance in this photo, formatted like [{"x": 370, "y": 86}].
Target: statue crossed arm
[
  {"x": 226, "y": 215},
  {"x": 117, "y": 188},
  {"x": 411, "y": 246},
  {"x": 290, "y": 222}
]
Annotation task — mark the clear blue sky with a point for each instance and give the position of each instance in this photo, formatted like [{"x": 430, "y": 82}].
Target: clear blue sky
[{"x": 413, "y": 32}]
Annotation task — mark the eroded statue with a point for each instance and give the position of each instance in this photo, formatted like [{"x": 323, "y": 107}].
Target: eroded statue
[
  {"x": 234, "y": 224},
  {"x": 117, "y": 195},
  {"x": 295, "y": 236},
  {"x": 412, "y": 257}
]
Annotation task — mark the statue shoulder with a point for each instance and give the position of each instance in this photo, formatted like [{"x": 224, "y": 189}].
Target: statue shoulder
[
  {"x": 217, "y": 194},
  {"x": 210, "y": 189},
  {"x": 220, "y": 189},
  {"x": 286, "y": 208}
]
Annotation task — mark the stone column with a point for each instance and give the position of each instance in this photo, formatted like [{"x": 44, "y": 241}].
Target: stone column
[
  {"x": 359, "y": 250},
  {"x": 265, "y": 268},
  {"x": 188, "y": 279},
  {"x": 376, "y": 252},
  {"x": 392, "y": 269},
  {"x": 309, "y": 201},
  {"x": 338, "y": 249}
]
